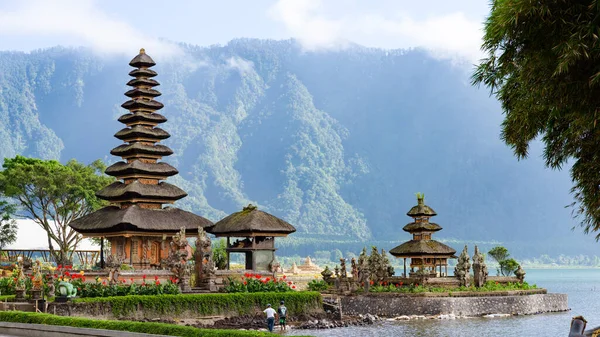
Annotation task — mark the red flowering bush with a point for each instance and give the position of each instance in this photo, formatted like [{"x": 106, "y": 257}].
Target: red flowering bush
[
  {"x": 253, "y": 283},
  {"x": 101, "y": 289}
]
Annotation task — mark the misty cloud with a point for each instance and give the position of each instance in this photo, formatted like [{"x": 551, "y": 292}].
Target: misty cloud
[
  {"x": 83, "y": 21},
  {"x": 446, "y": 35}
]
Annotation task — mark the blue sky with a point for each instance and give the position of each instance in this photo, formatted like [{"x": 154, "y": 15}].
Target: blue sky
[{"x": 110, "y": 26}]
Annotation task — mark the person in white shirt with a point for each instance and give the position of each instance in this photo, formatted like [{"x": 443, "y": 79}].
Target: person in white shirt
[{"x": 270, "y": 317}]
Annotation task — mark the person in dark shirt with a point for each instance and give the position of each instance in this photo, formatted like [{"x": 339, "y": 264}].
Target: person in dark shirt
[{"x": 282, "y": 312}]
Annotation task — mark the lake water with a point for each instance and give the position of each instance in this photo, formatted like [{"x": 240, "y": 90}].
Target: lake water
[{"x": 582, "y": 286}]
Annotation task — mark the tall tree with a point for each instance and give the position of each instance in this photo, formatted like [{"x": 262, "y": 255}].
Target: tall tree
[
  {"x": 8, "y": 226},
  {"x": 543, "y": 64},
  {"x": 52, "y": 195}
]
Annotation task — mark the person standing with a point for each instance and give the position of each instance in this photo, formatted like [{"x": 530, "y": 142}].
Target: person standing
[
  {"x": 270, "y": 317},
  {"x": 282, "y": 312}
]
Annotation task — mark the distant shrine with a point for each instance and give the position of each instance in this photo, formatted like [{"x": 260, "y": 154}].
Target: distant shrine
[
  {"x": 136, "y": 224},
  {"x": 255, "y": 231},
  {"x": 426, "y": 255}
]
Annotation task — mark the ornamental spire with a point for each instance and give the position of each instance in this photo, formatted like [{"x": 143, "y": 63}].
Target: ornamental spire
[{"x": 140, "y": 173}]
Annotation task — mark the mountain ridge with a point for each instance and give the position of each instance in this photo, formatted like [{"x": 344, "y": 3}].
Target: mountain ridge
[{"x": 335, "y": 142}]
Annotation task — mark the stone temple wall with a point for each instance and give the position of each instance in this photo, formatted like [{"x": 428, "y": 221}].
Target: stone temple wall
[{"x": 392, "y": 305}]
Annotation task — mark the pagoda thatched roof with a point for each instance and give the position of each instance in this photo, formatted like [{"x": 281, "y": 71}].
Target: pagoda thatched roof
[
  {"x": 142, "y": 104},
  {"x": 113, "y": 219},
  {"x": 422, "y": 227},
  {"x": 144, "y": 72},
  {"x": 251, "y": 221},
  {"x": 140, "y": 131},
  {"x": 153, "y": 118},
  {"x": 142, "y": 60},
  {"x": 138, "y": 82},
  {"x": 126, "y": 150},
  {"x": 137, "y": 92},
  {"x": 122, "y": 168},
  {"x": 162, "y": 191},
  {"x": 421, "y": 209},
  {"x": 415, "y": 248}
]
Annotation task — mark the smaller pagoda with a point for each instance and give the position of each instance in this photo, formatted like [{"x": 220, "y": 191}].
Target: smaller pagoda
[
  {"x": 255, "y": 231},
  {"x": 425, "y": 254}
]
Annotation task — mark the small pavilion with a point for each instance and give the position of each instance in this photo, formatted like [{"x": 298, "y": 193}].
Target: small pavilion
[
  {"x": 136, "y": 223},
  {"x": 425, "y": 254},
  {"x": 256, "y": 231}
]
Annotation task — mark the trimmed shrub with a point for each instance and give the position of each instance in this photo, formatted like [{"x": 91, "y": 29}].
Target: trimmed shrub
[
  {"x": 209, "y": 304},
  {"x": 145, "y": 327}
]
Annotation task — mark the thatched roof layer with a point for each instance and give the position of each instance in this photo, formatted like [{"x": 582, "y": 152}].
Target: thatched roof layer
[
  {"x": 121, "y": 168},
  {"x": 140, "y": 131},
  {"x": 421, "y": 209},
  {"x": 142, "y": 116},
  {"x": 112, "y": 219},
  {"x": 127, "y": 150},
  {"x": 138, "y": 82},
  {"x": 251, "y": 220},
  {"x": 422, "y": 247},
  {"x": 142, "y": 104},
  {"x": 162, "y": 191},
  {"x": 421, "y": 227},
  {"x": 137, "y": 92},
  {"x": 142, "y": 60},
  {"x": 144, "y": 72}
]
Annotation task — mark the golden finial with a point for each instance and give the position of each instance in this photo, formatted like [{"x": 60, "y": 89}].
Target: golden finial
[{"x": 142, "y": 51}]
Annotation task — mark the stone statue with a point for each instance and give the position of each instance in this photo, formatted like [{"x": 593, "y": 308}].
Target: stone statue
[
  {"x": 354, "y": 269},
  {"x": 113, "y": 275},
  {"x": 326, "y": 273},
  {"x": 480, "y": 272},
  {"x": 204, "y": 266},
  {"x": 177, "y": 260},
  {"x": 364, "y": 273},
  {"x": 20, "y": 285},
  {"x": 37, "y": 281},
  {"x": 386, "y": 267},
  {"x": 520, "y": 274},
  {"x": 275, "y": 266},
  {"x": 337, "y": 271},
  {"x": 66, "y": 289},
  {"x": 343, "y": 273},
  {"x": 374, "y": 264},
  {"x": 461, "y": 271},
  {"x": 51, "y": 289}
]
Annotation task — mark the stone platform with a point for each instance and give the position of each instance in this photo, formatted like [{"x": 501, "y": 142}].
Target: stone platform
[{"x": 512, "y": 303}]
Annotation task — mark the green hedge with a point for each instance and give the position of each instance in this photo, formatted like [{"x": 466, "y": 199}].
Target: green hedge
[
  {"x": 8, "y": 298},
  {"x": 151, "y": 328},
  {"x": 209, "y": 304}
]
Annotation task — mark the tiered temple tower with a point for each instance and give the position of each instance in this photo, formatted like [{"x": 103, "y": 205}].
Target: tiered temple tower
[
  {"x": 136, "y": 224},
  {"x": 425, "y": 254}
]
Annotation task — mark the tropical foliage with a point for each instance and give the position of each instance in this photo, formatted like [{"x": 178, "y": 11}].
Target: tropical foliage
[
  {"x": 8, "y": 226},
  {"x": 220, "y": 254},
  {"x": 506, "y": 265},
  {"x": 543, "y": 65},
  {"x": 52, "y": 195},
  {"x": 317, "y": 285}
]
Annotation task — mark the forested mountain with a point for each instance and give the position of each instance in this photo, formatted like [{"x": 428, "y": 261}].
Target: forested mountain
[{"x": 335, "y": 142}]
